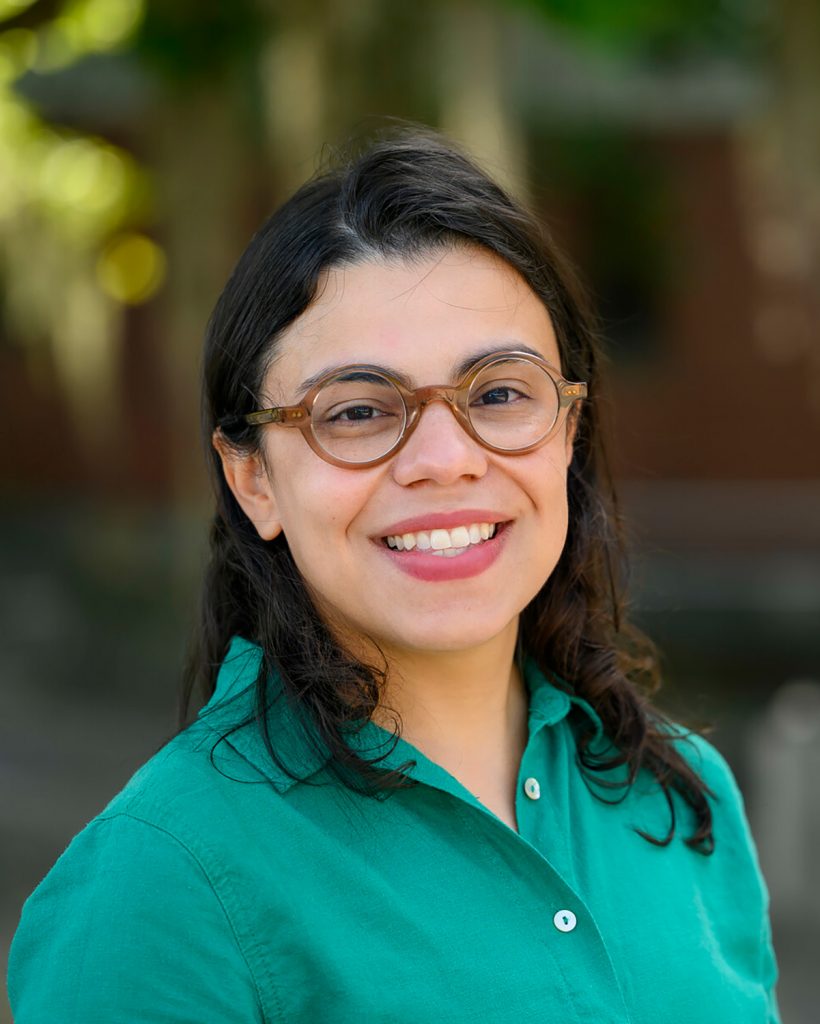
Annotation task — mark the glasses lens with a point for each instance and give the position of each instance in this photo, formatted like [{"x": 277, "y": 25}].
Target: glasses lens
[
  {"x": 358, "y": 416},
  {"x": 513, "y": 403}
]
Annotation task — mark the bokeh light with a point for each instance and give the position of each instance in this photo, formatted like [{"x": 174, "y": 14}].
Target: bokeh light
[
  {"x": 87, "y": 26},
  {"x": 84, "y": 179},
  {"x": 131, "y": 268}
]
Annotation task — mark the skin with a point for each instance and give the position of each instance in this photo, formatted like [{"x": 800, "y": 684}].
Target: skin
[{"x": 449, "y": 645}]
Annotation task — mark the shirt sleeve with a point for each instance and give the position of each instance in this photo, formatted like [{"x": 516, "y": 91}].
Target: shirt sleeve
[
  {"x": 127, "y": 927},
  {"x": 732, "y": 828}
]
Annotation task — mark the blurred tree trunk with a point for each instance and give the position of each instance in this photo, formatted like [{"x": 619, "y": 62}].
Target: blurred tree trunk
[
  {"x": 780, "y": 167},
  {"x": 474, "y": 107},
  {"x": 206, "y": 174},
  {"x": 799, "y": 123},
  {"x": 798, "y": 106},
  {"x": 294, "y": 96}
]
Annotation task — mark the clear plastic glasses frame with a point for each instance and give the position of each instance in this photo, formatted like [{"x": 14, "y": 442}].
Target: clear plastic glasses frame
[{"x": 415, "y": 401}]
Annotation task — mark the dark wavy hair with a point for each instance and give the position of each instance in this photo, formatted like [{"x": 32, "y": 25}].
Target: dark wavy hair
[{"x": 407, "y": 195}]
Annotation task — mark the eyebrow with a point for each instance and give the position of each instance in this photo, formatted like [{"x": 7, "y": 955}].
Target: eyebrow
[{"x": 457, "y": 372}]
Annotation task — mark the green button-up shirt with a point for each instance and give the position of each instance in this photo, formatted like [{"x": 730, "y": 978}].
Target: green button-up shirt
[{"x": 215, "y": 888}]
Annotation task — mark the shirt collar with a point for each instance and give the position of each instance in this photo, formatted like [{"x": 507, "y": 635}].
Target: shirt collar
[
  {"x": 231, "y": 713},
  {"x": 550, "y": 702}
]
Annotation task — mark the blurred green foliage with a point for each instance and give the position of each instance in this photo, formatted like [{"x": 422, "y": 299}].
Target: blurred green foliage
[
  {"x": 190, "y": 41},
  {"x": 664, "y": 30}
]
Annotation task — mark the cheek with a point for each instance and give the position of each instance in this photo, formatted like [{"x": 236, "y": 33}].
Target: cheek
[
  {"x": 548, "y": 492},
  {"x": 547, "y": 479},
  {"x": 317, "y": 502}
]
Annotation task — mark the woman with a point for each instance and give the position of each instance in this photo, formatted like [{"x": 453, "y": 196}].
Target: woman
[{"x": 428, "y": 783}]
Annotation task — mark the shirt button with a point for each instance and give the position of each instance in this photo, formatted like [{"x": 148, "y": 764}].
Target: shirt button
[
  {"x": 533, "y": 789},
  {"x": 564, "y": 920}
]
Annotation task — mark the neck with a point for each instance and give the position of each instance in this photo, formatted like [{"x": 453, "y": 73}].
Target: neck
[
  {"x": 466, "y": 710},
  {"x": 457, "y": 692}
]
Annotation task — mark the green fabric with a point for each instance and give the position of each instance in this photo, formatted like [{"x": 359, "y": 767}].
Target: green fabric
[{"x": 216, "y": 889}]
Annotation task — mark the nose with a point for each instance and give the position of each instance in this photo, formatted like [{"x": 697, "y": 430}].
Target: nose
[{"x": 439, "y": 449}]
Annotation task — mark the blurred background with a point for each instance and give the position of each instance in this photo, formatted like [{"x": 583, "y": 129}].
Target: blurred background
[{"x": 674, "y": 150}]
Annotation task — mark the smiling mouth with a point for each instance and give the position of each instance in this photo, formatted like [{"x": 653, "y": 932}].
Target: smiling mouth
[{"x": 445, "y": 543}]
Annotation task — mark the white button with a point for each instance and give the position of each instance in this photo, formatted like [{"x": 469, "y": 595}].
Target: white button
[
  {"x": 533, "y": 789},
  {"x": 564, "y": 920}
]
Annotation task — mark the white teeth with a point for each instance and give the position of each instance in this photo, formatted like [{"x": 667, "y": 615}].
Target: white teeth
[
  {"x": 447, "y": 542},
  {"x": 439, "y": 540},
  {"x": 460, "y": 537},
  {"x": 450, "y": 552}
]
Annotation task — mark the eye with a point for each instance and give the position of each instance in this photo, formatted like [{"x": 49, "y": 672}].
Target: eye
[
  {"x": 355, "y": 412},
  {"x": 499, "y": 394}
]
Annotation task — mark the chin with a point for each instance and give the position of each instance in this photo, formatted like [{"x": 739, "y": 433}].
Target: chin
[{"x": 446, "y": 638}]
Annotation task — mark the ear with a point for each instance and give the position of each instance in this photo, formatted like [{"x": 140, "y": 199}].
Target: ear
[{"x": 248, "y": 480}]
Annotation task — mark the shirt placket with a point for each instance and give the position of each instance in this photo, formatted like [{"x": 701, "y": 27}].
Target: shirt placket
[{"x": 571, "y": 936}]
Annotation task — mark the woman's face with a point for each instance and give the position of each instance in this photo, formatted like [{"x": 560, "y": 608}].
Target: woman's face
[{"x": 421, "y": 319}]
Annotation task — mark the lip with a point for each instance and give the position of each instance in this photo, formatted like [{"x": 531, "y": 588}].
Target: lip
[
  {"x": 443, "y": 521},
  {"x": 424, "y": 565}
]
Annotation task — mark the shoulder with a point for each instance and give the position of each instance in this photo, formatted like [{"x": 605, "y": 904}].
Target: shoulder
[
  {"x": 142, "y": 892},
  {"x": 126, "y": 920},
  {"x": 734, "y": 844},
  {"x": 196, "y": 792},
  {"x": 708, "y": 763},
  {"x": 705, "y": 759},
  {"x": 157, "y": 898},
  {"x": 185, "y": 811}
]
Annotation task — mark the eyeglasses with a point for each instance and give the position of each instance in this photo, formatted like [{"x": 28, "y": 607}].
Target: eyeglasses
[{"x": 358, "y": 416}]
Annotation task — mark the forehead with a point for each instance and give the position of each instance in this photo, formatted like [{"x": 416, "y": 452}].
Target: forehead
[{"x": 422, "y": 317}]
